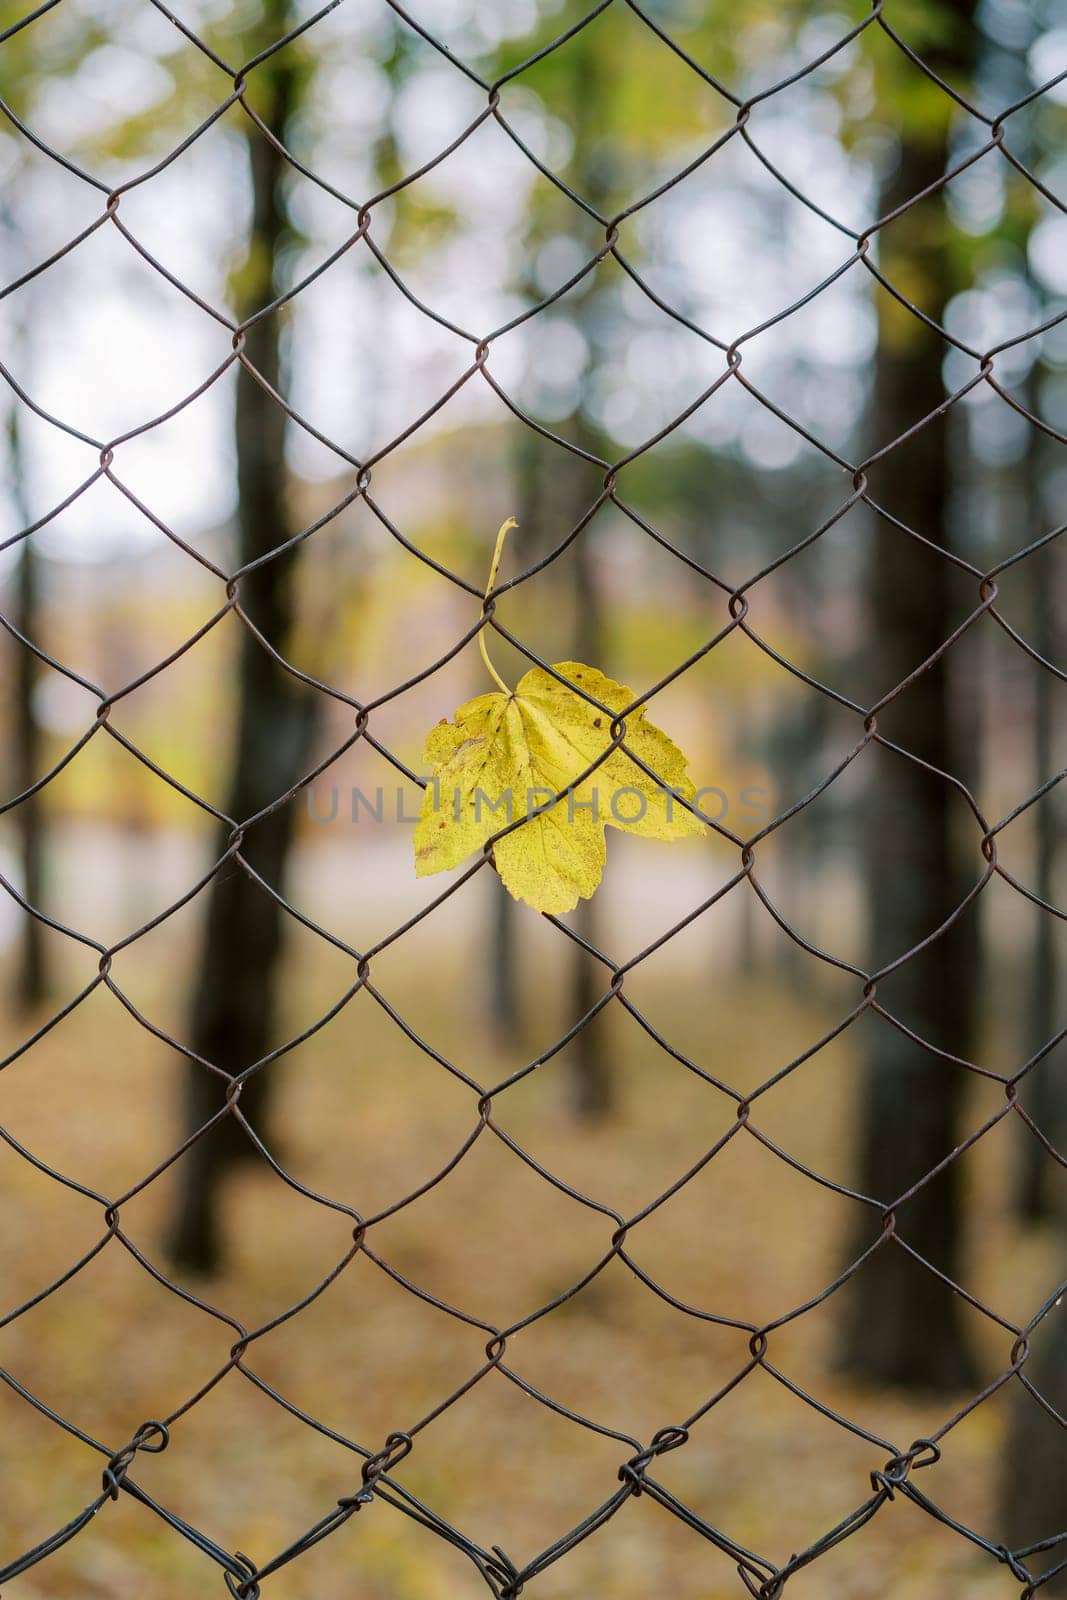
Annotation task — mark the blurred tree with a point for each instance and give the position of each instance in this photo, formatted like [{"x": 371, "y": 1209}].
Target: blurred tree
[
  {"x": 27, "y": 73},
  {"x": 505, "y": 958},
  {"x": 505, "y": 990},
  {"x": 36, "y": 61},
  {"x": 234, "y": 1003},
  {"x": 585, "y": 79},
  {"x": 549, "y": 507},
  {"x": 590, "y": 84},
  {"x": 31, "y": 972},
  {"x": 1033, "y": 1489},
  {"x": 594, "y": 90},
  {"x": 1044, "y": 1095},
  {"x": 594, "y": 1090},
  {"x": 1033, "y": 1484},
  {"x": 903, "y": 1326}
]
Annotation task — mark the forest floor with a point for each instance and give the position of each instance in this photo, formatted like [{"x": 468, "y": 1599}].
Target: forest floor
[{"x": 364, "y": 1116}]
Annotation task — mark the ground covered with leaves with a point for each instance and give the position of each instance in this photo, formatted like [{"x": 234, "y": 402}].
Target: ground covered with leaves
[{"x": 363, "y": 1115}]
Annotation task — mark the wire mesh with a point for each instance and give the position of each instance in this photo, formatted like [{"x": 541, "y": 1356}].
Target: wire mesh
[{"x": 637, "y": 1475}]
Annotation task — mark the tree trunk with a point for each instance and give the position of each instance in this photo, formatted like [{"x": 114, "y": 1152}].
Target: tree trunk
[
  {"x": 592, "y": 1088},
  {"x": 903, "y": 1326},
  {"x": 505, "y": 961},
  {"x": 31, "y": 977},
  {"x": 1043, "y": 1095},
  {"x": 235, "y": 995},
  {"x": 504, "y": 1009},
  {"x": 1034, "y": 1485},
  {"x": 548, "y": 509},
  {"x": 1033, "y": 1490}
]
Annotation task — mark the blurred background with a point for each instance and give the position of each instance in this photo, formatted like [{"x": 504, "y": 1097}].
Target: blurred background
[{"x": 121, "y": 587}]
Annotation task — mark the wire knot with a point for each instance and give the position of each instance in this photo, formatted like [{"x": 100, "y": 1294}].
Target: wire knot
[
  {"x": 923, "y": 1453},
  {"x": 353, "y": 1502},
  {"x": 241, "y": 1579},
  {"x": 114, "y": 1473},
  {"x": 513, "y": 1585},
  {"x": 633, "y": 1471},
  {"x": 397, "y": 1446}
]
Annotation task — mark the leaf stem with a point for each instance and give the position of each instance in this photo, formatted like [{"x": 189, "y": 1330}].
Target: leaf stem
[{"x": 501, "y": 536}]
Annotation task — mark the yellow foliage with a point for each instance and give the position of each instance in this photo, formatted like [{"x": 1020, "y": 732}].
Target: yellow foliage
[{"x": 505, "y": 755}]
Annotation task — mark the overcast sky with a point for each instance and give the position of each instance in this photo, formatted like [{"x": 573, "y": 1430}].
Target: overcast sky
[{"x": 104, "y": 343}]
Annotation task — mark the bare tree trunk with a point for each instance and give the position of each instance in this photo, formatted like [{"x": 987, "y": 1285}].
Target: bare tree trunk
[
  {"x": 1033, "y": 1488},
  {"x": 1044, "y": 1095},
  {"x": 903, "y": 1326},
  {"x": 592, "y": 1088},
  {"x": 234, "y": 1001},
  {"x": 503, "y": 969},
  {"x": 31, "y": 977},
  {"x": 547, "y": 512},
  {"x": 1034, "y": 1484},
  {"x": 504, "y": 965}
]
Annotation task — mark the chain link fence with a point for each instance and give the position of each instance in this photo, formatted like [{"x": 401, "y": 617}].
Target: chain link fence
[{"x": 909, "y": 1469}]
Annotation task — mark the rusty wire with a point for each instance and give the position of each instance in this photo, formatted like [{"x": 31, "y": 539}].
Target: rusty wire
[{"x": 375, "y": 1480}]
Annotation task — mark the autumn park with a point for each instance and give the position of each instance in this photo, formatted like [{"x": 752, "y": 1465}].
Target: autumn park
[{"x": 531, "y": 890}]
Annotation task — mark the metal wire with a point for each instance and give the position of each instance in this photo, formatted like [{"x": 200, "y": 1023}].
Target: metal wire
[{"x": 637, "y": 1472}]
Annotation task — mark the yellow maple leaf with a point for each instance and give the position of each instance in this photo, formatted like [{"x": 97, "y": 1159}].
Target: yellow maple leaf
[{"x": 506, "y": 755}]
